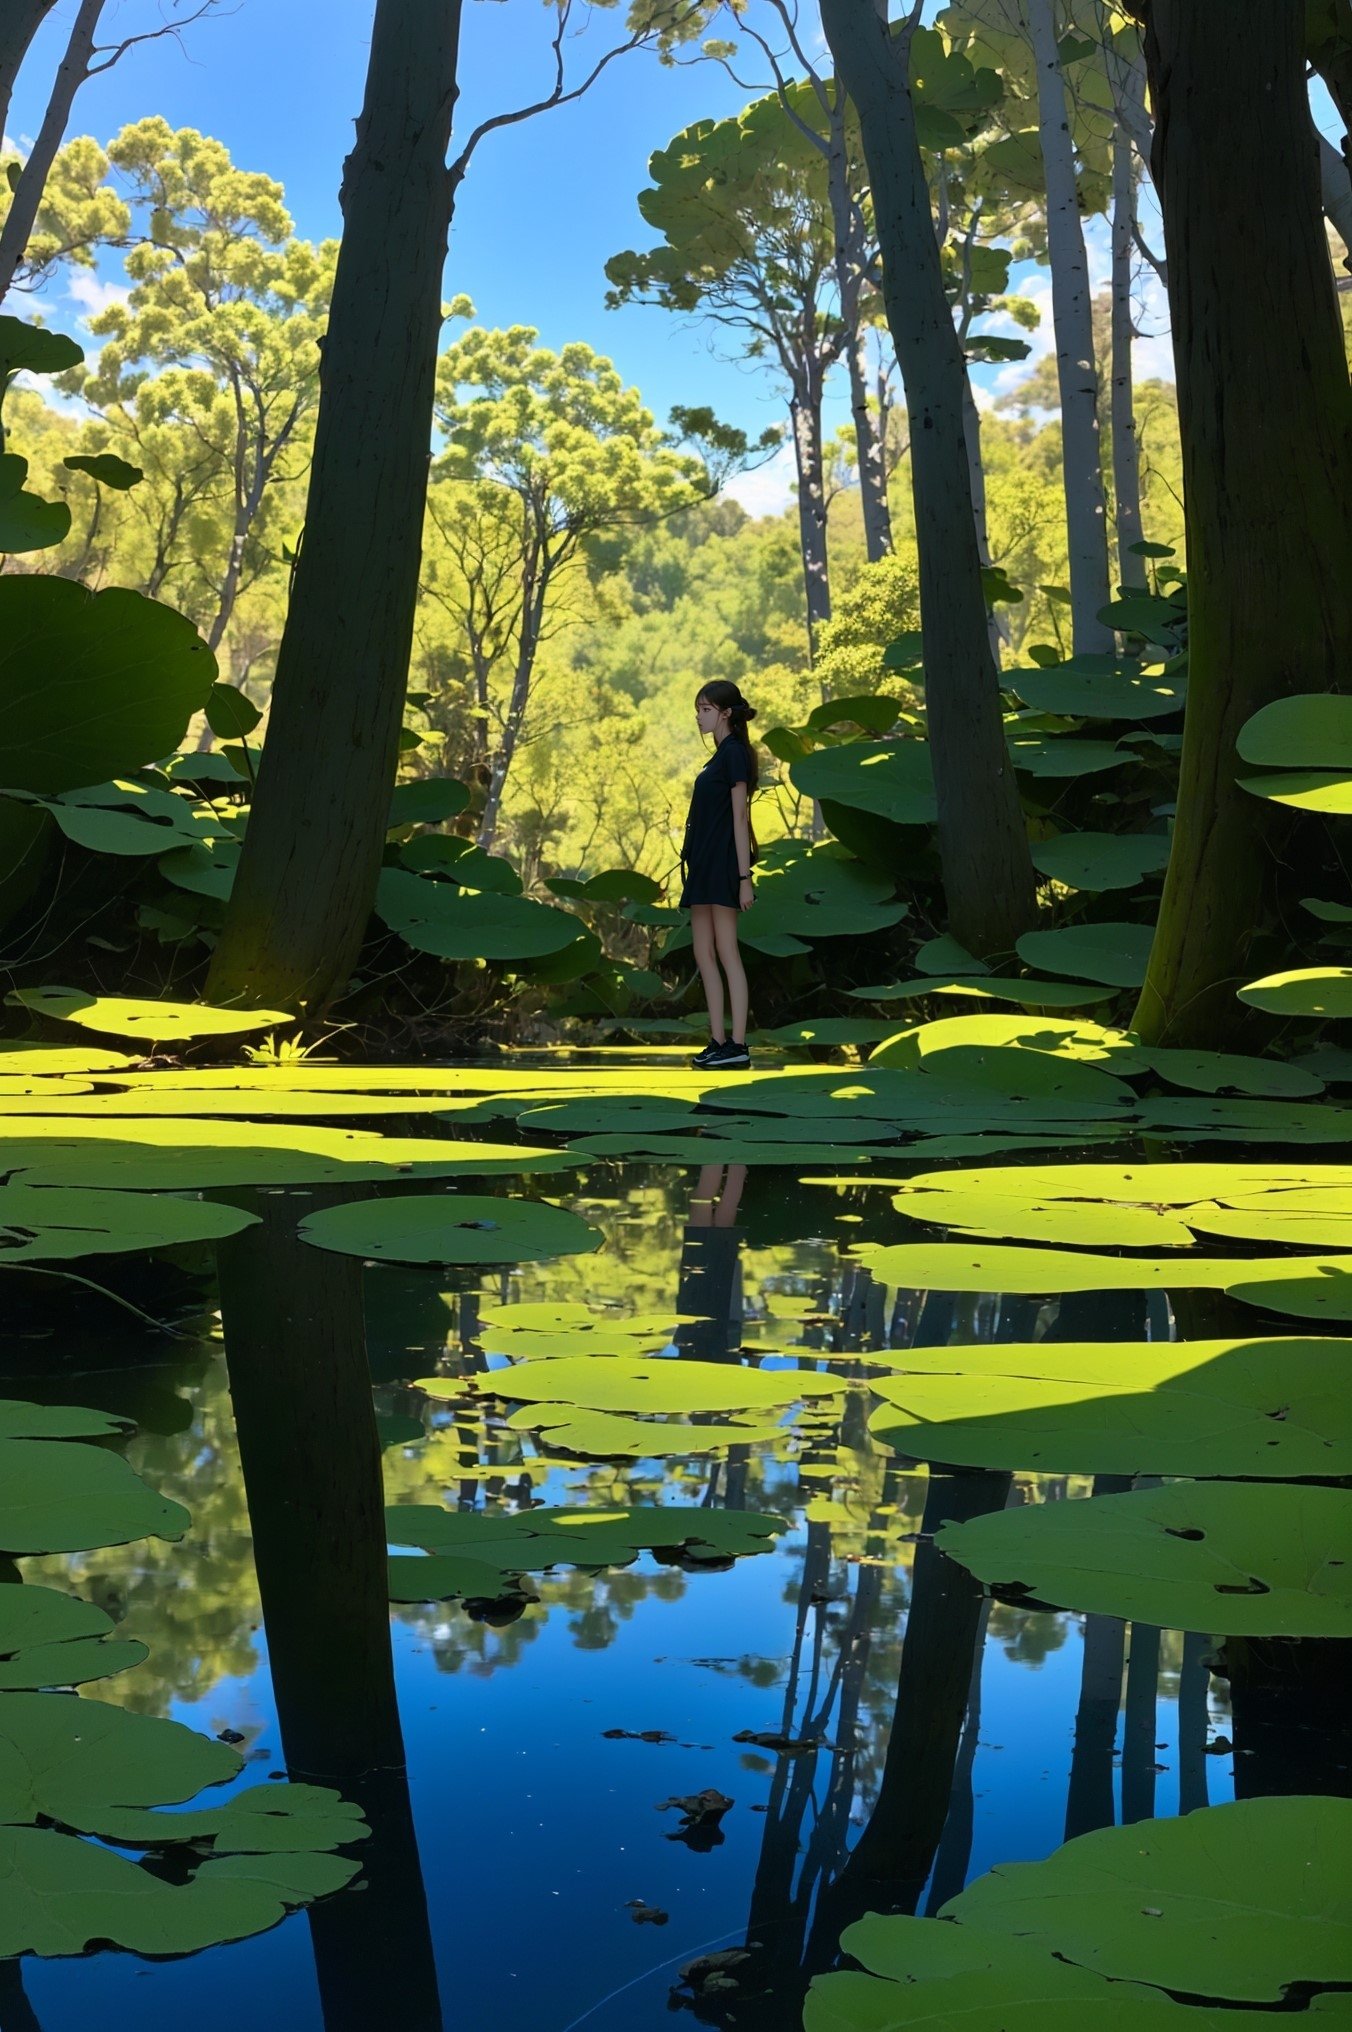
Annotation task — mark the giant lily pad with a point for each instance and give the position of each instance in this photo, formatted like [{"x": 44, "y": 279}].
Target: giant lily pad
[
  {"x": 450, "y": 1228},
  {"x": 465, "y": 924},
  {"x": 1060, "y": 755},
  {"x": 179, "y": 1156},
  {"x": 1028, "y": 994},
  {"x": 1244, "y": 1558},
  {"x": 47, "y": 1223},
  {"x": 610, "y": 1435},
  {"x": 1322, "y": 790},
  {"x": 56, "y": 1496},
  {"x": 63, "y": 1895},
  {"x": 1265, "y": 1408},
  {"x": 986, "y": 1266},
  {"x": 1306, "y": 991},
  {"x": 1236, "y": 1902},
  {"x": 52, "y": 1639},
  {"x": 1076, "y": 1223},
  {"x": 1097, "y": 861},
  {"x": 1097, "y": 688},
  {"x": 654, "y": 1387},
  {"x": 892, "y": 779},
  {"x": 95, "y": 684},
  {"x": 148, "y": 1022},
  {"x": 478, "y": 1554},
  {"x": 1115, "y": 953},
  {"x": 1312, "y": 730}
]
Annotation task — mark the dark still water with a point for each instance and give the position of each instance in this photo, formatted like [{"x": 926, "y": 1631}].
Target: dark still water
[{"x": 849, "y": 1723}]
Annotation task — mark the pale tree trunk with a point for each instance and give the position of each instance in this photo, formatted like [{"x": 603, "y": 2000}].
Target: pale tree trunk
[
  {"x": 311, "y": 857},
  {"x": 1267, "y": 470},
  {"x": 983, "y": 845},
  {"x": 1072, "y": 317},
  {"x": 869, "y": 449},
  {"x": 806, "y": 412},
  {"x": 976, "y": 480},
  {"x": 71, "y": 74},
  {"x": 511, "y": 734},
  {"x": 20, "y": 21},
  {"x": 1126, "y": 446}
]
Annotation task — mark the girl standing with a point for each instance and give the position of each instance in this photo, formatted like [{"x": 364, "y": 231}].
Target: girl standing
[{"x": 716, "y": 859}]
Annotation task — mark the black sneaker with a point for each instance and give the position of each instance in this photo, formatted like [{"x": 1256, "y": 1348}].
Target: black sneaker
[
  {"x": 729, "y": 1057},
  {"x": 709, "y": 1055}
]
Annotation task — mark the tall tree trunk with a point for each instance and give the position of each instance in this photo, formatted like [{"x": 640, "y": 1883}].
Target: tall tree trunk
[
  {"x": 1072, "y": 316},
  {"x": 20, "y": 21},
  {"x": 74, "y": 69},
  {"x": 1126, "y": 446},
  {"x": 1265, "y": 418},
  {"x": 976, "y": 480},
  {"x": 869, "y": 452},
  {"x": 307, "y": 875},
  {"x": 806, "y": 413},
  {"x": 983, "y": 845}
]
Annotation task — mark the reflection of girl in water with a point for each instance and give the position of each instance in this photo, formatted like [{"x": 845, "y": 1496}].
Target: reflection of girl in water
[{"x": 711, "y": 1267}]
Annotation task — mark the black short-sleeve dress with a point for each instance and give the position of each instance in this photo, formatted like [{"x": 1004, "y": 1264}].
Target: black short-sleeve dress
[{"x": 709, "y": 849}]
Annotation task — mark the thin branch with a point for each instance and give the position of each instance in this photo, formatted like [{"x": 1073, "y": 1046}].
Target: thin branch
[{"x": 116, "y": 51}]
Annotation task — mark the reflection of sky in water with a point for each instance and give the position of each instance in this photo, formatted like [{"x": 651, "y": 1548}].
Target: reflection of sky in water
[{"x": 535, "y": 1832}]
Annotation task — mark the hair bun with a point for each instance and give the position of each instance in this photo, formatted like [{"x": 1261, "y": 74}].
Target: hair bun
[{"x": 748, "y": 712}]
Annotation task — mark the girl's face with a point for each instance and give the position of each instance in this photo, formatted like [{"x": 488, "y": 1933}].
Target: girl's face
[{"x": 711, "y": 719}]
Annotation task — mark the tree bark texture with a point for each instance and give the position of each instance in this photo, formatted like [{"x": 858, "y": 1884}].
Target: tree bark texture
[
  {"x": 806, "y": 412},
  {"x": 308, "y": 871},
  {"x": 1265, "y": 417},
  {"x": 71, "y": 74},
  {"x": 868, "y": 443},
  {"x": 976, "y": 480},
  {"x": 983, "y": 845},
  {"x": 1076, "y": 370},
  {"x": 20, "y": 21},
  {"x": 1126, "y": 445}
]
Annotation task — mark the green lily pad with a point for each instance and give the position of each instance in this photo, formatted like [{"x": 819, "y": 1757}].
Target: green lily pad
[
  {"x": 451, "y": 1228},
  {"x": 1236, "y": 1901},
  {"x": 1178, "y": 1185},
  {"x": 1307, "y": 1220},
  {"x": 943, "y": 955},
  {"x": 986, "y": 1266},
  {"x": 1030, "y": 994},
  {"x": 1214, "y": 1072},
  {"x": 1115, "y": 953},
  {"x": 654, "y": 1387},
  {"x": 1063, "y": 756},
  {"x": 1321, "y": 790},
  {"x": 466, "y": 924},
  {"x": 64, "y": 1896},
  {"x": 203, "y": 870},
  {"x": 609, "y": 1435},
  {"x": 718, "y": 1150},
  {"x": 1098, "y": 861},
  {"x": 1306, "y": 991},
  {"x": 185, "y": 1156},
  {"x": 1246, "y": 1559},
  {"x": 829, "y": 1030},
  {"x": 1115, "y": 1051},
  {"x": 1117, "y": 692},
  {"x": 52, "y": 1639},
  {"x": 1075, "y": 1223},
  {"x": 146, "y": 1021},
  {"x": 1312, "y": 730},
  {"x": 95, "y": 684},
  {"x": 1263, "y": 1408},
  {"x": 56, "y": 1496},
  {"x": 40, "y": 1061},
  {"x": 489, "y": 1553},
  {"x": 48, "y": 1223},
  {"x": 892, "y": 779},
  {"x": 429, "y": 800}
]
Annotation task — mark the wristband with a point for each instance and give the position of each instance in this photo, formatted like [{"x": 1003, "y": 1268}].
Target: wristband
[{"x": 745, "y": 878}]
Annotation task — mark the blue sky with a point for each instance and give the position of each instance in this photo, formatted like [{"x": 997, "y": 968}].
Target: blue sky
[{"x": 546, "y": 202}]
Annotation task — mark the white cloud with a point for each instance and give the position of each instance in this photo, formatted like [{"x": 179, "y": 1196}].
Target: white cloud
[
  {"x": 769, "y": 489},
  {"x": 94, "y": 296}
]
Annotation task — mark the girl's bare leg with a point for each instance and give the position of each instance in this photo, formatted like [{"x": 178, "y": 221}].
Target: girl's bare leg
[
  {"x": 725, "y": 1213},
  {"x": 725, "y": 944},
  {"x": 702, "y": 939},
  {"x": 704, "y": 1198}
]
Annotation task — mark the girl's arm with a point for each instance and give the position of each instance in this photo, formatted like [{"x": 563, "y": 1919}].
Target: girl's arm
[{"x": 741, "y": 833}]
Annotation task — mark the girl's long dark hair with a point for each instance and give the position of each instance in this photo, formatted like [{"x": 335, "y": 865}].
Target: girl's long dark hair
[{"x": 723, "y": 693}]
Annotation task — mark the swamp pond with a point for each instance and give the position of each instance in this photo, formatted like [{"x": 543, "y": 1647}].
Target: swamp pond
[{"x": 726, "y": 1447}]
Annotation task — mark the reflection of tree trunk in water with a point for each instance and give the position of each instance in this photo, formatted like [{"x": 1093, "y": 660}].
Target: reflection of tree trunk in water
[
  {"x": 310, "y": 1459},
  {"x": 16, "y": 2013},
  {"x": 892, "y": 1858},
  {"x": 1194, "y": 1684},
  {"x": 1288, "y": 1703},
  {"x": 955, "y": 1846},
  {"x": 1138, "y": 1724},
  {"x": 1089, "y": 1796}
]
